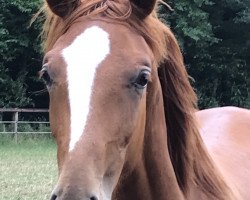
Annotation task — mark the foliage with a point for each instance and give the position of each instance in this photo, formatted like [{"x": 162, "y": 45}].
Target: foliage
[
  {"x": 12, "y": 91},
  {"x": 27, "y": 128},
  {"x": 19, "y": 52},
  {"x": 214, "y": 36}
]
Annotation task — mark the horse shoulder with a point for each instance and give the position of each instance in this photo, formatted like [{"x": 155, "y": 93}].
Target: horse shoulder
[{"x": 226, "y": 133}]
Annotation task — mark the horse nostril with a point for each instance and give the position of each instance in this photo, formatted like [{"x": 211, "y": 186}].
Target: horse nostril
[
  {"x": 93, "y": 198},
  {"x": 53, "y": 197},
  {"x": 56, "y": 194}
]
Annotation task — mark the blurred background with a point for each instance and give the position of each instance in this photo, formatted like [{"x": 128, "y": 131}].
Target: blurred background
[{"x": 214, "y": 36}]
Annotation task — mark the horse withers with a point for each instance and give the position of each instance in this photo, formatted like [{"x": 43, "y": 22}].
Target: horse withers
[{"x": 121, "y": 106}]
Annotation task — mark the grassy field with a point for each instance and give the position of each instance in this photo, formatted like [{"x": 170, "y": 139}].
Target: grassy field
[{"x": 28, "y": 169}]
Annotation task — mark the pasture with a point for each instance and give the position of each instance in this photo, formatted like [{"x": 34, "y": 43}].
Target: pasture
[{"x": 28, "y": 170}]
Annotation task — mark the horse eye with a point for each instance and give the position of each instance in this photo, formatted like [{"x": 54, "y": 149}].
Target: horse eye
[
  {"x": 46, "y": 77},
  {"x": 142, "y": 79}
]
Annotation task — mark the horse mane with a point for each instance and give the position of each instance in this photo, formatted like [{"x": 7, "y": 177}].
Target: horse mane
[{"x": 187, "y": 151}]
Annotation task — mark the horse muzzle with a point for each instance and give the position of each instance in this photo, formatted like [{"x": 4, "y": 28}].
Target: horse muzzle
[{"x": 72, "y": 193}]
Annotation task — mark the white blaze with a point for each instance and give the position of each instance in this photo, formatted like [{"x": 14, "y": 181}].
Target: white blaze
[{"x": 83, "y": 57}]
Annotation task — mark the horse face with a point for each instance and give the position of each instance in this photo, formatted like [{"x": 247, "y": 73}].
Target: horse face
[{"x": 97, "y": 74}]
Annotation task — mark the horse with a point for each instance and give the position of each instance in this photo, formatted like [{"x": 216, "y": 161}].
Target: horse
[
  {"x": 122, "y": 110},
  {"x": 225, "y": 132}
]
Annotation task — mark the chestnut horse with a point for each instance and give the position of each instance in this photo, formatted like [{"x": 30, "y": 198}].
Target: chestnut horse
[
  {"x": 226, "y": 133},
  {"x": 121, "y": 107}
]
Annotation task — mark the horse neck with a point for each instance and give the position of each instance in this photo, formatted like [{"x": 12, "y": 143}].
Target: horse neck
[{"x": 153, "y": 176}]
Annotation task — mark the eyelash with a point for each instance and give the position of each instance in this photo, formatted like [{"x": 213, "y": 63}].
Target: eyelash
[{"x": 46, "y": 77}]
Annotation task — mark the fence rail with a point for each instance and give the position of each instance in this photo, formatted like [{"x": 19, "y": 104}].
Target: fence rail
[{"x": 13, "y": 127}]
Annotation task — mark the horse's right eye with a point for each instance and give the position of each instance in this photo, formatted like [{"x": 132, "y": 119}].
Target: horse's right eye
[
  {"x": 142, "y": 79},
  {"x": 46, "y": 77}
]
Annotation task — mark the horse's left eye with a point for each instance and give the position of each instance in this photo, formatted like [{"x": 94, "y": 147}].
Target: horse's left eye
[
  {"x": 46, "y": 77},
  {"x": 142, "y": 79}
]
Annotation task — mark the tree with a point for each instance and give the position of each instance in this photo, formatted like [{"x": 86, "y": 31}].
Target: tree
[
  {"x": 213, "y": 37},
  {"x": 20, "y": 55}
]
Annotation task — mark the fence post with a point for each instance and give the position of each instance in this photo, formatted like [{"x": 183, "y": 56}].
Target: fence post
[
  {"x": 1, "y": 119},
  {"x": 16, "y": 125}
]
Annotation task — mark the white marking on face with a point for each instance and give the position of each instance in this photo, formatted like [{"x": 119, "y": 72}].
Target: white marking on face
[{"x": 83, "y": 57}]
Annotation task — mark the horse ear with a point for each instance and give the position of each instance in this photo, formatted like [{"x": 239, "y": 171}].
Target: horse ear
[
  {"x": 62, "y": 8},
  {"x": 144, "y": 7}
]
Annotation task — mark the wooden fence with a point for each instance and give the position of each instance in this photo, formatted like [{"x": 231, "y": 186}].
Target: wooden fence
[{"x": 16, "y": 123}]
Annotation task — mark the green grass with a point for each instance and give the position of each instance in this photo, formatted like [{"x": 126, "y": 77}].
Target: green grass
[{"x": 28, "y": 170}]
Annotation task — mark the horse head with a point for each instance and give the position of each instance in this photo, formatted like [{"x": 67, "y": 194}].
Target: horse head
[{"x": 120, "y": 102}]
